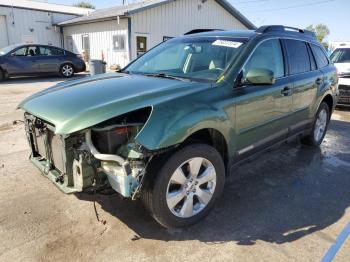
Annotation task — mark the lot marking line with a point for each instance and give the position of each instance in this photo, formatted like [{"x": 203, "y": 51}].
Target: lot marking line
[{"x": 333, "y": 250}]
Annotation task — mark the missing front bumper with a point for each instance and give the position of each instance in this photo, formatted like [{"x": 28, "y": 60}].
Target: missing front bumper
[{"x": 53, "y": 175}]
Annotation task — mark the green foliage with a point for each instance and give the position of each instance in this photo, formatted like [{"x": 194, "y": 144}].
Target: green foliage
[
  {"x": 84, "y": 4},
  {"x": 321, "y": 31}
]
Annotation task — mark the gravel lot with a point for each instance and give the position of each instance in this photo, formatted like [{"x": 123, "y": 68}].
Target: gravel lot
[{"x": 288, "y": 205}]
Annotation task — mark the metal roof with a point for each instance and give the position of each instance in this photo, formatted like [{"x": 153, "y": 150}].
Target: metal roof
[
  {"x": 125, "y": 10},
  {"x": 42, "y": 6}
]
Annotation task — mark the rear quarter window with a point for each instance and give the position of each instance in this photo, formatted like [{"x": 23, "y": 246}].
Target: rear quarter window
[
  {"x": 298, "y": 56},
  {"x": 320, "y": 56}
]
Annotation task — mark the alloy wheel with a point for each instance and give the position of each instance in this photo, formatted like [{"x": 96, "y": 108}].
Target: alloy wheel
[
  {"x": 67, "y": 70},
  {"x": 320, "y": 125},
  {"x": 191, "y": 187}
]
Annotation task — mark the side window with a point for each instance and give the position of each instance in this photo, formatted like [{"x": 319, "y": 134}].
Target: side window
[
  {"x": 298, "y": 56},
  {"x": 50, "y": 51},
  {"x": 312, "y": 58},
  {"x": 268, "y": 55},
  {"x": 320, "y": 56},
  {"x": 44, "y": 51},
  {"x": 33, "y": 51},
  {"x": 20, "y": 52},
  {"x": 56, "y": 51}
]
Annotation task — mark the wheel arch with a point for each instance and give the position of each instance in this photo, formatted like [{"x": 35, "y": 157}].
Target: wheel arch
[
  {"x": 212, "y": 137},
  {"x": 328, "y": 99},
  {"x": 67, "y": 62}
]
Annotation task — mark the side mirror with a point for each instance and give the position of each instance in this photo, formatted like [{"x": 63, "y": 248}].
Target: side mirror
[
  {"x": 260, "y": 76},
  {"x": 12, "y": 54}
]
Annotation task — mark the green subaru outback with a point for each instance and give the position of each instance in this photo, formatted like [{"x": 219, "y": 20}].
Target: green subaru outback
[{"x": 167, "y": 128}]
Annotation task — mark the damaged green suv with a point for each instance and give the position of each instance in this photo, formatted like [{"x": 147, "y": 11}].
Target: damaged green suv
[{"x": 167, "y": 128}]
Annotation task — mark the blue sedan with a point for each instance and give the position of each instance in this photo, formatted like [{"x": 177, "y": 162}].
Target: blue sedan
[{"x": 22, "y": 60}]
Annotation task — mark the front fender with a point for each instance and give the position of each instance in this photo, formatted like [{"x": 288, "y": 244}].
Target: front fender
[{"x": 170, "y": 126}]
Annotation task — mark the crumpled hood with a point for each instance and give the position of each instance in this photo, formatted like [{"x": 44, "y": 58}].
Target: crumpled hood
[{"x": 74, "y": 105}]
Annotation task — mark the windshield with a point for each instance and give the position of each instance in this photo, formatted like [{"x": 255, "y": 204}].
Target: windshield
[
  {"x": 341, "y": 55},
  {"x": 7, "y": 49},
  {"x": 195, "y": 58}
]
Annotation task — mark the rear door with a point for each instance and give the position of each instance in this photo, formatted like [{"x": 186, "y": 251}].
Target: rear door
[
  {"x": 263, "y": 111},
  {"x": 329, "y": 73},
  {"x": 306, "y": 79},
  {"x": 50, "y": 59}
]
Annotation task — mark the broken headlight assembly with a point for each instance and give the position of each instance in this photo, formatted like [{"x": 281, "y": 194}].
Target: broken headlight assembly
[{"x": 112, "y": 143}]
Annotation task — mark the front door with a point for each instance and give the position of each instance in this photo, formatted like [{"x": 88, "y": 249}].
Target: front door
[
  {"x": 263, "y": 111},
  {"x": 23, "y": 61},
  {"x": 86, "y": 47},
  {"x": 141, "y": 45}
]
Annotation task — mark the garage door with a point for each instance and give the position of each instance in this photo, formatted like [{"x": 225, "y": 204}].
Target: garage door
[{"x": 3, "y": 32}]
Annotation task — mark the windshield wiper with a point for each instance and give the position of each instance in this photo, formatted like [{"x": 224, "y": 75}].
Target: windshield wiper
[
  {"x": 123, "y": 71},
  {"x": 163, "y": 75}
]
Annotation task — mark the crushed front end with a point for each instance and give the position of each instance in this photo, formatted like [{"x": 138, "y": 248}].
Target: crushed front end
[{"x": 93, "y": 158}]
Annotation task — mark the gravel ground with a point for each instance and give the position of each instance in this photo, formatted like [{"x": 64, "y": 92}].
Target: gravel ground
[{"x": 288, "y": 205}]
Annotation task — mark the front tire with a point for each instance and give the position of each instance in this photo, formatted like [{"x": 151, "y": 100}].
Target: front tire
[
  {"x": 319, "y": 127},
  {"x": 67, "y": 70},
  {"x": 186, "y": 186}
]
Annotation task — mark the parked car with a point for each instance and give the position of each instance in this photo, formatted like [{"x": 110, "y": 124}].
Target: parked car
[
  {"x": 341, "y": 59},
  {"x": 22, "y": 60},
  {"x": 169, "y": 126}
]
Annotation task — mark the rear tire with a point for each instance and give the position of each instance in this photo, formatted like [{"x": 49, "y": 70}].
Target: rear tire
[
  {"x": 67, "y": 70},
  {"x": 319, "y": 127},
  {"x": 185, "y": 187}
]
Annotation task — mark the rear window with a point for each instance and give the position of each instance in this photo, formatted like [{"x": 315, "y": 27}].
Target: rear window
[
  {"x": 320, "y": 56},
  {"x": 298, "y": 57},
  {"x": 341, "y": 55}
]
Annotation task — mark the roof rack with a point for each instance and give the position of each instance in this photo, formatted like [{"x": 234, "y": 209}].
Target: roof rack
[
  {"x": 195, "y": 31},
  {"x": 282, "y": 28}
]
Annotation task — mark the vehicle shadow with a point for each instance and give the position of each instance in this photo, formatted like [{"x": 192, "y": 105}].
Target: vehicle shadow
[
  {"x": 39, "y": 79},
  {"x": 283, "y": 195}
]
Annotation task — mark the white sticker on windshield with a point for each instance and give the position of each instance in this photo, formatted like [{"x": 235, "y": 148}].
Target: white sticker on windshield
[{"x": 227, "y": 43}]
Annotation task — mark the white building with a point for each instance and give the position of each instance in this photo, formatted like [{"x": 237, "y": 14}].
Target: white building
[
  {"x": 23, "y": 21},
  {"x": 120, "y": 33}
]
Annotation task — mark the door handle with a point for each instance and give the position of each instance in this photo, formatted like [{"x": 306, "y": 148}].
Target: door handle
[
  {"x": 286, "y": 91},
  {"x": 319, "y": 81}
]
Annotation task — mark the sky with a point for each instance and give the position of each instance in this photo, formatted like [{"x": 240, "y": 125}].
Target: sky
[{"x": 297, "y": 13}]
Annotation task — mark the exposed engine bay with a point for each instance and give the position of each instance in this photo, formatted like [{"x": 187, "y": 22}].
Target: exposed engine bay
[{"x": 105, "y": 154}]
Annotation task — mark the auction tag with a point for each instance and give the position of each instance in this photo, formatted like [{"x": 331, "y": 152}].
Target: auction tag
[{"x": 227, "y": 43}]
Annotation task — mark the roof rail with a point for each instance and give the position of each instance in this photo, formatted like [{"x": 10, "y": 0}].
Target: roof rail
[
  {"x": 195, "y": 31},
  {"x": 282, "y": 28}
]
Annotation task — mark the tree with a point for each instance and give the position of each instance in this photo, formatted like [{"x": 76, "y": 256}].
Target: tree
[
  {"x": 321, "y": 31},
  {"x": 84, "y": 4}
]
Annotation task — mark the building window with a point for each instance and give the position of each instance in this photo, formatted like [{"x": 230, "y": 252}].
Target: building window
[{"x": 119, "y": 42}]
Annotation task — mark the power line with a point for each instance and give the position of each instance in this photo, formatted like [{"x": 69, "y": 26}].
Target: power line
[{"x": 294, "y": 6}]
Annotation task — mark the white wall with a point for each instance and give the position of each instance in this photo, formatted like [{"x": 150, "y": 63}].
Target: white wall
[
  {"x": 101, "y": 39},
  {"x": 32, "y": 25},
  {"x": 178, "y": 17}
]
